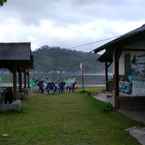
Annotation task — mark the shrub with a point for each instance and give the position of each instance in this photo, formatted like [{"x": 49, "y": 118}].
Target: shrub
[
  {"x": 85, "y": 92},
  {"x": 108, "y": 107}
]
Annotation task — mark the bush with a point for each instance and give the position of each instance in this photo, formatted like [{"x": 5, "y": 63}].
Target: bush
[
  {"x": 108, "y": 107},
  {"x": 85, "y": 92}
]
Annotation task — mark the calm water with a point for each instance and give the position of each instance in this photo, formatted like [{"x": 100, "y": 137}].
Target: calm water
[{"x": 90, "y": 80}]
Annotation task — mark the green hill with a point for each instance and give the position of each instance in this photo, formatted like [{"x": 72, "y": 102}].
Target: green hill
[{"x": 48, "y": 59}]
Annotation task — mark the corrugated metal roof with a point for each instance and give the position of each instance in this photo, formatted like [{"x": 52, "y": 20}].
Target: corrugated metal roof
[{"x": 15, "y": 51}]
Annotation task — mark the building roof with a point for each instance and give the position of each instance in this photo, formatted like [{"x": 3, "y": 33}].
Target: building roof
[
  {"x": 15, "y": 51},
  {"x": 106, "y": 57},
  {"x": 16, "y": 55},
  {"x": 122, "y": 39}
]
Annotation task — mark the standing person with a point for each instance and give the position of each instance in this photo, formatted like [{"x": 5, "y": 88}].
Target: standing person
[
  {"x": 61, "y": 87},
  {"x": 41, "y": 86},
  {"x": 49, "y": 87},
  {"x": 74, "y": 86},
  {"x": 54, "y": 87},
  {"x": 69, "y": 85}
]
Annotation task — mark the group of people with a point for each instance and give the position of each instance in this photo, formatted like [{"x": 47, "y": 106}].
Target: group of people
[{"x": 52, "y": 87}]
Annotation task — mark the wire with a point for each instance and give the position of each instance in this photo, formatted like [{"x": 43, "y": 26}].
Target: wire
[{"x": 94, "y": 42}]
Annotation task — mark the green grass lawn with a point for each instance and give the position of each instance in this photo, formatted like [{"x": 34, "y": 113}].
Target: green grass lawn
[{"x": 68, "y": 119}]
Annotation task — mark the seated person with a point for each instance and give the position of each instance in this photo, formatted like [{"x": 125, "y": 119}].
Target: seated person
[{"x": 8, "y": 95}]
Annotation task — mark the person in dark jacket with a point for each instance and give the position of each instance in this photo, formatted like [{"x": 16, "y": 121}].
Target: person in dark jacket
[
  {"x": 49, "y": 87},
  {"x": 41, "y": 86},
  {"x": 61, "y": 87},
  {"x": 8, "y": 95}
]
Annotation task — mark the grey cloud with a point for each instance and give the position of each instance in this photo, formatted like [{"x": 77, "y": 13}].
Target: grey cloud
[
  {"x": 74, "y": 11},
  {"x": 63, "y": 13}
]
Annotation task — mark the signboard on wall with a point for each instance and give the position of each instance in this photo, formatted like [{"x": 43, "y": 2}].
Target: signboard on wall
[
  {"x": 138, "y": 74},
  {"x": 138, "y": 88},
  {"x": 138, "y": 67}
]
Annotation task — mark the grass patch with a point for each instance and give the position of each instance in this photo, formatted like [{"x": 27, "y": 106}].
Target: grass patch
[{"x": 67, "y": 119}]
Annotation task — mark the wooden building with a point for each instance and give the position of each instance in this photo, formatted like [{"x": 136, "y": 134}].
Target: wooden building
[
  {"x": 18, "y": 59},
  {"x": 127, "y": 55}
]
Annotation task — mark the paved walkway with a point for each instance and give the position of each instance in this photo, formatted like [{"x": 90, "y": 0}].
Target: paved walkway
[
  {"x": 138, "y": 133},
  {"x": 135, "y": 115},
  {"x": 105, "y": 97}
]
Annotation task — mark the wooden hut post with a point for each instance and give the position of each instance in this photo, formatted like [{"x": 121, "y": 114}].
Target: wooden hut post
[
  {"x": 14, "y": 83},
  {"x": 20, "y": 80},
  {"x": 25, "y": 79},
  {"x": 106, "y": 75},
  {"x": 28, "y": 79},
  {"x": 116, "y": 79}
]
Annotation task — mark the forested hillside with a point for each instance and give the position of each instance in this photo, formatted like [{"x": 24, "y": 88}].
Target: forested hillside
[{"x": 48, "y": 59}]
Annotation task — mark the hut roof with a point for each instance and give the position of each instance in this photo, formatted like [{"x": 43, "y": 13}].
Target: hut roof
[
  {"x": 17, "y": 54},
  {"x": 15, "y": 51}
]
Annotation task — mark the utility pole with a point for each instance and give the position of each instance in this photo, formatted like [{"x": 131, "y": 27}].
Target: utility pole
[{"x": 82, "y": 76}]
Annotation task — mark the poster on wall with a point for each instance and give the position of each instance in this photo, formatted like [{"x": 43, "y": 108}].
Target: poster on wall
[
  {"x": 138, "y": 74},
  {"x": 138, "y": 67}
]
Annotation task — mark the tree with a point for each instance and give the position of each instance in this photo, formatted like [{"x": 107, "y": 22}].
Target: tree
[{"x": 2, "y": 2}]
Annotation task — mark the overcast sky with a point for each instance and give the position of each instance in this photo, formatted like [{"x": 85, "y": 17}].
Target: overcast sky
[{"x": 67, "y": 23}]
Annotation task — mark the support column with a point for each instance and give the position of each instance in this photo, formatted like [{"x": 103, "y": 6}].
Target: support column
[
  {"x": 14, "y": 83},
  {"x": 20, "y": 80},
  {"x": 25, "y": 79},
  {"x": 106, "y": 76},
  {"x": 28, "y": 79},
  {"x": 116, "y": 79}
]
